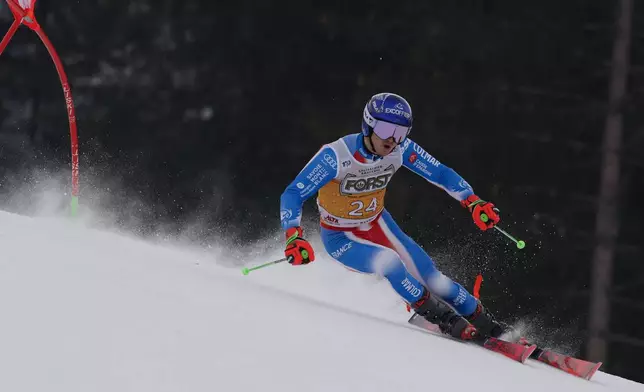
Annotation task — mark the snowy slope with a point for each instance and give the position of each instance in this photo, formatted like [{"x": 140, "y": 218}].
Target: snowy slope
[{"x": 84, "y": 310}]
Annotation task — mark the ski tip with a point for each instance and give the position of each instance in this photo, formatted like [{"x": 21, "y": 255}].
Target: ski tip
[
  {"x": 527, "y": 352},
  {"x": 592, "y": 371}
]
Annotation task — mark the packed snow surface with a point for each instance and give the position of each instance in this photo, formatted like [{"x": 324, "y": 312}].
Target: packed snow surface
[{"x": 89, "y": 310}]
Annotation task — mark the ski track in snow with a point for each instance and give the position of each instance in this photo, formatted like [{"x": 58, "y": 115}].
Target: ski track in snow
[{"x": 88, "y": 310}]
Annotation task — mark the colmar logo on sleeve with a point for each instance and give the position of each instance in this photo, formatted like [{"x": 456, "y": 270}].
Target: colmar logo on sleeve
[{"x": 427, "y": 156}]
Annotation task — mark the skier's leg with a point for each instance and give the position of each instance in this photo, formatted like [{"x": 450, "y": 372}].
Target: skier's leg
[
  {"x": 423, "y": 267},
  {"x": 362, "y": 255},
  {"x": 367, "y": 257},
  {"x": 417, "y": 260}
]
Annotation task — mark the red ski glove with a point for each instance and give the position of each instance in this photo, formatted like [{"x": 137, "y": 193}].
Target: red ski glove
[
  {"x": 298, "y": 250},
  {"x": 480, "y": 207}
]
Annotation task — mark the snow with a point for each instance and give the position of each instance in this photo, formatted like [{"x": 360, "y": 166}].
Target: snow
[{"x": 89, "y": 310}]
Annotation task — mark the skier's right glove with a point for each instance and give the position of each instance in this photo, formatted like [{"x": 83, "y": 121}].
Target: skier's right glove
[{"x": 298, "y": 250}]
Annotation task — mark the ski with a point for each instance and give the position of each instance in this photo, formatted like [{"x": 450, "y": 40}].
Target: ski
[
  {"x": 516, "y": 351},
  {"x": 571, "y": 365}
]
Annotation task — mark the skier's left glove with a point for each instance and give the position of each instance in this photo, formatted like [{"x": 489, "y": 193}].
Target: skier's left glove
[
  {"x": 478, "y": 208},
  {"x": 298, "y": 250}
]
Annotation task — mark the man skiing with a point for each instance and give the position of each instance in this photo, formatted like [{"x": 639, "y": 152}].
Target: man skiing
[{"x": 350, "y": 176}]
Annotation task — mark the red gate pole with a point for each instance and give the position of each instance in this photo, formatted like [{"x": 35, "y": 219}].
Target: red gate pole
[
  {"x": 9, "y": 35},
  {"x": 26, "y": 16}
]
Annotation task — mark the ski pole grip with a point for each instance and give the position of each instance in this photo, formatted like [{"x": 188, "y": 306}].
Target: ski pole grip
[{"x": 519, "y": 243}]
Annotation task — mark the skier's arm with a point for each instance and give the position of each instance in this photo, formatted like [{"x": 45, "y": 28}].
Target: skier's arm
[
  {"x": 320, "y": 170},
  {"x": 416, "y": 159}
]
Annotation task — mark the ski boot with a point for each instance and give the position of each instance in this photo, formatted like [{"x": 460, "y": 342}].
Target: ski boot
[
  {"x": 449, "y": 322},
  {"x": 486, "y": 324}
]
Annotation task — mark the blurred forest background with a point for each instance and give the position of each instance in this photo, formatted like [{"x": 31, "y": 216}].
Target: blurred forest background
[{"x": 205, "y": 110}]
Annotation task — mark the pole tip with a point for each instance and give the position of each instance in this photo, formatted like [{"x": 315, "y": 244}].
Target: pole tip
[
  {"x": 245, "y": 271},
  {"x": 520, "y": 244}
]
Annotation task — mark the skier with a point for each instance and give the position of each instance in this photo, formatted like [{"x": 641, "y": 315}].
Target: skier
[{"x": 351, "y": 176}]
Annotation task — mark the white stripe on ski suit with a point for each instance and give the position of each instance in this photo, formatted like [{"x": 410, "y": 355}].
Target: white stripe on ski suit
[
  {"x": 437, "y": 283},
  {"x": 384, "y": 261},
  {"x": 406, "y": 258}
]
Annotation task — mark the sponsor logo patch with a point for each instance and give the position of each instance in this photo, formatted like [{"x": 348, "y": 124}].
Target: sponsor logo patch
[
  {"x": 426, "y": 156},
  {"x": 353, "y": 185},
  {"x": 422, "y": 167},
  {"x": 411, "y": 288},
  {"x": 398, "y": 112},
  {"x": 286, "y": 214},
  {"x": 330, "y": 161},
  {"x": 370, "y": 180},
  {"x": 317, "y": 174},
  {"x": 340, "y": 251},
  {"x": 464, "y": 184},
  {"x": 406, "y": 144},
  {"x": 460, "y": 298},
  {"x": 331, "y": 219}
]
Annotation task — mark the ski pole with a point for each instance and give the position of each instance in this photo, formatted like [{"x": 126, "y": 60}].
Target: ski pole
[
  {"x": 245, "y": 271},
  {"x": 520, "y": 244}
]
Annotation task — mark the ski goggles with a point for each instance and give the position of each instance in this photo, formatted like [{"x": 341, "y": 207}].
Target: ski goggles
[{"x": 386, "y": 130}]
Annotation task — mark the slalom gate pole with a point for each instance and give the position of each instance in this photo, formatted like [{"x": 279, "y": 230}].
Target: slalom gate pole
[
  {"x": 246, "y": 271},
  {"x": 9, "y": 35},
  {"x": 71, "y": 116},
  {"x": 23, "y": 12}
]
